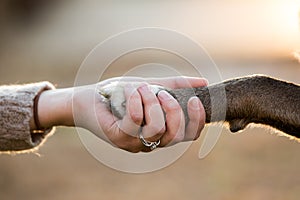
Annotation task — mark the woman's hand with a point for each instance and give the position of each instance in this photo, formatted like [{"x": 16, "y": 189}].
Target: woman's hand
[{"x": 144, "y": 112}]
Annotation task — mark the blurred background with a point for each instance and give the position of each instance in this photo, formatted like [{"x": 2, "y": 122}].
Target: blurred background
[{"x": 48, "y": 40}]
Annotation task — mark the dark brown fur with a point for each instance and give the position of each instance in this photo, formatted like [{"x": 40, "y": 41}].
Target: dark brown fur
[{"x": 253, "y": 99}]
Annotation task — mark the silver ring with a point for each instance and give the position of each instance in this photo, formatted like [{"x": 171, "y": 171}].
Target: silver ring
[{"x": 152, "y": 145}]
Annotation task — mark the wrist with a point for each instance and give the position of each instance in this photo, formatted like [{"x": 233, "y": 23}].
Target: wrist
[
  {"x": 83, "y": 102},
  {"x": 54, "y": 108}
]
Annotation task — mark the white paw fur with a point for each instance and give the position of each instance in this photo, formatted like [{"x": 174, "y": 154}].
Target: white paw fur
[{"x": 113, "y": 94}]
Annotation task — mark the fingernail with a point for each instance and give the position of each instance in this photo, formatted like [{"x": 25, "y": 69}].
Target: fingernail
[
  {"x": 195, "y": 103},
  {"x": 163, "y": 95}
]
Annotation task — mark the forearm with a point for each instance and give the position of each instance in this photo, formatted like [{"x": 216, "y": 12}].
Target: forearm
[{"x": 54, "y": 109}]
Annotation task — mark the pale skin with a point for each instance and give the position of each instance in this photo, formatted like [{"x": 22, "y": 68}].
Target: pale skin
[{"x": 83, "y": 107}]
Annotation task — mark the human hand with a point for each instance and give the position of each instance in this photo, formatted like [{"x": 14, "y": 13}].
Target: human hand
[
  {"x": 144, "y": 109},
  {"x": 142, "y": 106}
]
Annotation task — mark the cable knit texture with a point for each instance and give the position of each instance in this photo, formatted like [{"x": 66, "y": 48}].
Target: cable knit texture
[{"x": 16, "y": 110}]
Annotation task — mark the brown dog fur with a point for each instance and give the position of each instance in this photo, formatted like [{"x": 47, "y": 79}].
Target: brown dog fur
[{"x": 253, "y": 99}]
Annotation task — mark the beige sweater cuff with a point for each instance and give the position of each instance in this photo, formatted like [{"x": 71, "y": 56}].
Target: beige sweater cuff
[{"x": 16, "y": 110}]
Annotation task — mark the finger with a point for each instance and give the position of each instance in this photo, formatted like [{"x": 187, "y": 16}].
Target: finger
[
  {"x": 134, "y": 104},
  {"x": 180, "y": 82},
  {"x": 132, "y": 121},
  {"x": 174, "y": 119},
  {"x": 112, "y": 133},
  {"x": 125, "y": 141},
  {"x": 154, "y": 116},
  {"x": 196, "y": 119}
]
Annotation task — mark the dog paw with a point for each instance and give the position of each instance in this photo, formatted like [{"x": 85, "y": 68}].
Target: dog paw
[{"x": 113, "y": 94}]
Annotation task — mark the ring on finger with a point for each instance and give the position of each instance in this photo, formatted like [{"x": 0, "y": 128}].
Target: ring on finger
[{"x": 151, "y": 145}]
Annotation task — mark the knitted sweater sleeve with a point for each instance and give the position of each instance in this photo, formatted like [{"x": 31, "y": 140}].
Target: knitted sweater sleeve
[{"x": 16, "y": 110}]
